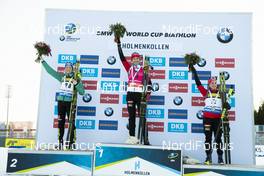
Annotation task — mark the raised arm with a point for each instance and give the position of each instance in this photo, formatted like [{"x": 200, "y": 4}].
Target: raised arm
[
  {"x": 199, "y": 85},
  {"x": 51, "y": 71},
  {"x": 121, "y": 55}
]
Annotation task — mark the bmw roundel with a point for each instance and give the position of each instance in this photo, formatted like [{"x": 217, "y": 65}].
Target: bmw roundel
[
  {"x": 155, "y": 87},
  {"x": 202, "y": 62},
  {"x": 178, "y": 100},
  {"x": 111, "y": 60},
  {"x": 87, "y": 98},
  {"x": 62, "y": 38},
  {"x": 109, "y": 111},
  {"x": 227, "y": 75},
  {"x": 199, "y": 114},
  {"x": 225, "y": 35}
]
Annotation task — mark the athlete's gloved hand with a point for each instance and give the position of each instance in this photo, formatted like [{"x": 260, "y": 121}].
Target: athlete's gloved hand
[
  {"x": 226, "y": 106},
  {"x": 191, "y": 67},
  {"x": 117, "y": 40}
]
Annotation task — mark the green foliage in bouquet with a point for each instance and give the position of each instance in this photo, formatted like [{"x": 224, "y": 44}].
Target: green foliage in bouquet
[
  {"x": 42, "y": 50},
  {"x": 118, "y": 29},
  {"x": 192, "y": 59}
]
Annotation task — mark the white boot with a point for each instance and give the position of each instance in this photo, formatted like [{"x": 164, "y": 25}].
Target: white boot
[{"x": 132, "y": 140}]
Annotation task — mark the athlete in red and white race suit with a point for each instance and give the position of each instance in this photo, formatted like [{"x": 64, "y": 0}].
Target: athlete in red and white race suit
[{"x": 211, "y": 116}]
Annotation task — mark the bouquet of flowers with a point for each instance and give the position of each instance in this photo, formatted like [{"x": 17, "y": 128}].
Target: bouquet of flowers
[
  {"x": 191, "y": 59},
  {"x": 42, "y": 50},
  {"x": 119, "y": 30}
]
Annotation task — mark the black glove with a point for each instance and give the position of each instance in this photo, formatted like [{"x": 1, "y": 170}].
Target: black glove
[{"x": 191, "y": 67}]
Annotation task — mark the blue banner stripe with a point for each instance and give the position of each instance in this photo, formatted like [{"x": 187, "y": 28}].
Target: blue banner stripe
[
  {"x": 89, "y": 59},
  {"x": 177, "y": 62},
  {"x": 177, "y": 114},
  {"x": 203, "y": 75},
  {"x": 86, "y": 111},
  {"x": 110, "y": 73}
]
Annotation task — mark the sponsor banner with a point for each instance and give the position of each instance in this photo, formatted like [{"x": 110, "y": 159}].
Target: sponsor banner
[
  {"x": 56, "y": 110},
  {"x": 156, "y": 100},
  {"x": 157, "y": 61},
  {"x": 108, "y": 125},
  {"x": 177, "y": 62},
  {"x": 203, "y": 75},
  {"x": 56, "y": 123},
  {"x": 125, "y": 112},
  {"x": 85, "y": 124},
  {"x": 156, "y": 126},
  {"x": 86, "y": 111},
  {"x": 89, "y": 85},
  {"x": 197, "y": 128},
  {"x": 152, "y": 113},
  {"x": 110, "y": 73},
  {"x": 110, "y": 86},
  {"x": 89, "y": 59},
  {"x": 178, "y": 87},
  {"x": 198, "y": 101},
  {"x": 177, "y": 127},
  {"x": 155, "y": 113},
  {"x": 178, "y": 75},
  {"x": 63, "y": 58},
  {"x": 109, "y": 98},
  {"x": 232, "y": 115},
  {"x": 196, "y": 90},
  {"x": 224, "y": 62},
  {"x": 177, "y": 113},
  {"x": 21, "y": 143},
  {"x": 124, "y": 99},
  {"x": 232, "y": 102},
  {"x": 89, "y": 72},
  {"x": 157, "y": 74},
  {"x": 60, "y": 70}
]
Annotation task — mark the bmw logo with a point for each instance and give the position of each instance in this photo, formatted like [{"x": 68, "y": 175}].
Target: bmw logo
[
  {"x": 109, "y": 111},
  {"x": 70, "y": 28},
  {"x": 177, "y": 100},
  {"x": 202, "y": 62},
  {"x": 87, "y": 98},
  {"x": 199, "y": 114},
  {"x": 225, "y": 35},
  {"x": 111, "y": 60},
  {"x": 155, "y": 87},
  {"x": 62, "y": 38},
  {"x": 227, "y": 75}
]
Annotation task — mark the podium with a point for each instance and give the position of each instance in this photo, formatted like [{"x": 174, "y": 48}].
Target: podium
[
  {"x": 32, "y": 162},
  {"x": 128, "y": 160}
]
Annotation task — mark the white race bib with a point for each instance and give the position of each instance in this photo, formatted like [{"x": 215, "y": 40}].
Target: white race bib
[{"x": 67, "y": 86}]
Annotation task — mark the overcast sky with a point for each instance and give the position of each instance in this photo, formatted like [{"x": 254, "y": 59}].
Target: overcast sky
[{"x": 22, "y": 24}]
